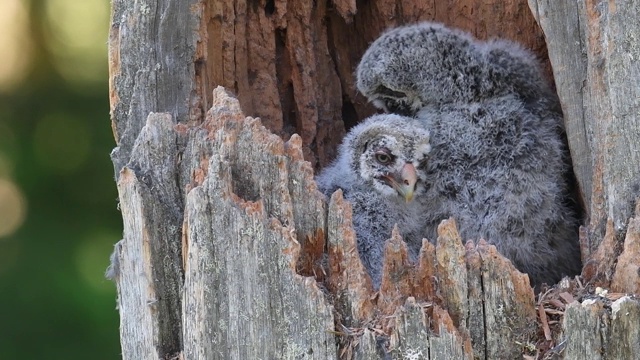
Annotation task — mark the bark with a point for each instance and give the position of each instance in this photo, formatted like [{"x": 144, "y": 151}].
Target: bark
[
  {"x": 592, "y": 48},
  {"x": 251, "y": 209},
  {"x": 597, "y": 330},
  {"x": 230, "y": 252},
  {"x": 290, "y": 63}
]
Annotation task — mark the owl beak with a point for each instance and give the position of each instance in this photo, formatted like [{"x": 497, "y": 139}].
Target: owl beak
[{"x": 405, "y": 182}]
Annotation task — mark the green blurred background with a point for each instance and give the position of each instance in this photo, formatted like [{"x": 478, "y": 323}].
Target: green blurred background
[{"x": 58, "y": 200}]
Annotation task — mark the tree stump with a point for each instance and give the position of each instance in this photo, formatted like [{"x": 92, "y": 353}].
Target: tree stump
[{"x": 230, "y": 252}]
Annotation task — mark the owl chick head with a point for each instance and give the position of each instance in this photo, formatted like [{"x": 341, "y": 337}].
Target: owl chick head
[
  {"x": 410, "y": 67},
  {"x": 388, "y": 152}
]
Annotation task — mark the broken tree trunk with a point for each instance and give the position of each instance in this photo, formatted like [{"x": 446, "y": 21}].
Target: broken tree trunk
[
  {"x": 230, "y": 252},
  {"x": 594, "y": 51}
]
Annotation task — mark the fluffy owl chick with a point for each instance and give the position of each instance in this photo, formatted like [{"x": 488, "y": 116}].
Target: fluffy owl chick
[
  {"x": 425, "y": 64},
  {"x": 499, "y": 169},
  {"x": 380, "y": 171}
]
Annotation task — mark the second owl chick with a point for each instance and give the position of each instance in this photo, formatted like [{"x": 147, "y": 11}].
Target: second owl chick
[{"x": 380, "y": 168}]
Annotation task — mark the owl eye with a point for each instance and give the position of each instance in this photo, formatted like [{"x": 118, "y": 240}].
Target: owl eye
[
  {"x": 383, "y": 158},
  {"x": 400, "y": 108},
  {"x": 385, "y": 91}
]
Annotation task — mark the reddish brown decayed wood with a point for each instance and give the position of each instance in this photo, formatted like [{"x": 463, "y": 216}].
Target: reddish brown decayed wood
[
  {"x": 348, "y": 279},
  {"x": 503, "y": 305},
  {"x": 626, "y": 278},
  {"x": 599, "y": 265},
  {"x": 452, "y": 270},
  {"x": 398, "y": 275},
  {"x": 292, "y": 62}
]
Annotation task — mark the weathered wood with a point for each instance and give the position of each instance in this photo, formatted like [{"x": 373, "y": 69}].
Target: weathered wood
[
  {"x": 348, "y": 279},
  {"x": 241, "y": 254},
  {"x": 152, "y": 44},
  {"x": 413, "y": 338},
  {"x": 490, "y": 306},
  {"x": 584, "y": 326},
  {"x": 625, "y": 332},
  {"x": 452, "y": 271},
  {"x": 507, "y": 304},
  {"x": 229, "y": 251},
  {"x": 243, "y": 298},
  {"x": 367, "y": 348},
  {"x": 626, "y": 277},
  {"x": 398, "y": 276},
  {"x": 599, "y": 329},
  {"x": 564, "y": 32},
  {"x": 448, "y": 342},
  {"x": 593, "y": 50},
  {"x": 149, "y": 274}
]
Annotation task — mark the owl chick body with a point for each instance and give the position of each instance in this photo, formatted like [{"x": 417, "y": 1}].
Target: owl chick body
[
  {"x": 497, "y": 168},
  {"x": 380, "y": 171},
  {"x": 499, "y": 162}
]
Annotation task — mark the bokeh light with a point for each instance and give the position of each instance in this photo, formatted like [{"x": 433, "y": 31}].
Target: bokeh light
[
  {"x": 75, "y": 26},
  {"x": 13, "y": 208},
  {"x": 61, "y": 142},
  {"x": 58, "y": 217},
  {"x": 15, "y": 44}
]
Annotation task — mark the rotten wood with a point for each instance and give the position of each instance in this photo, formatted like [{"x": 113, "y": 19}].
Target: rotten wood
[
  {"x": 592, "y": 46},
  {"x": 229, "y": 251},
  {"x": 626, "y": 277},
  {"x": 598, "y": 329},
  {"x": 288, "y": 62},
  {"x": 241, "y": 237},
  {"x": 150, "y": 301},
  {"x": 250, "y": 206}
]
